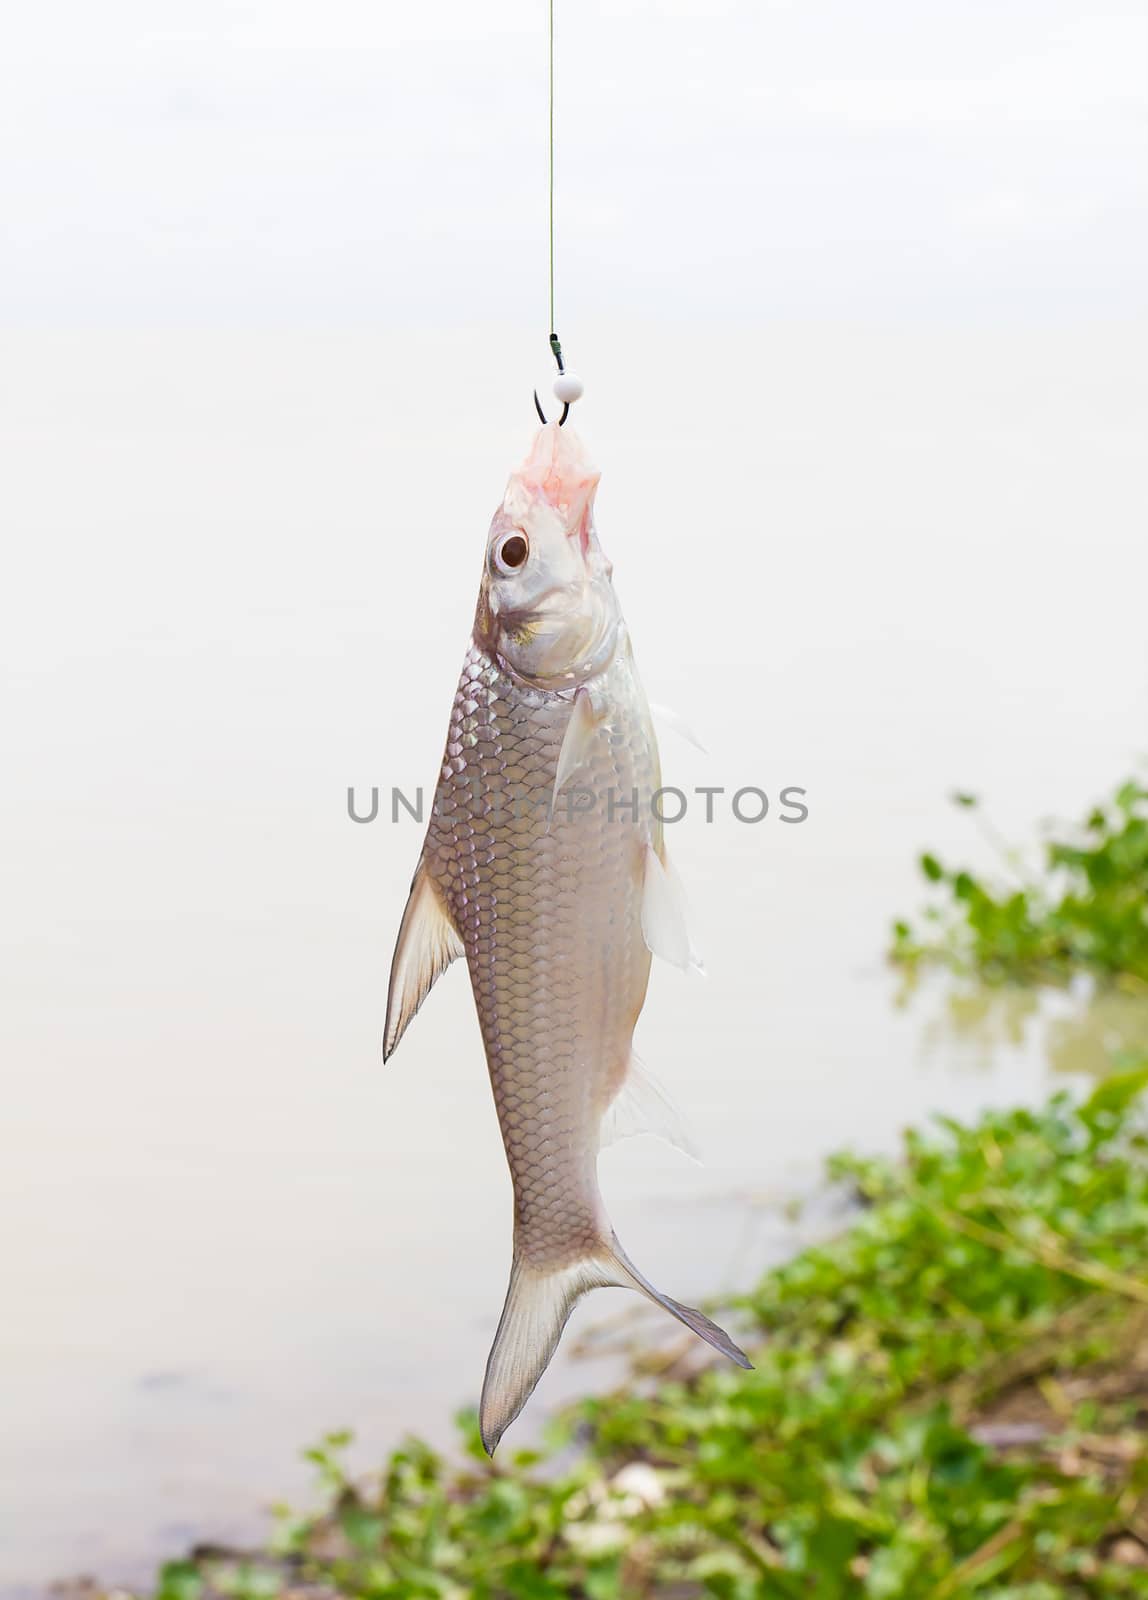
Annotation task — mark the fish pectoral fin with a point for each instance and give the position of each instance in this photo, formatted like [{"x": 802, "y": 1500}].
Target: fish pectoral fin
[
  {"x": 664, "y": 924},
  {"x": 643, "y": 1106},
  {"x": 672, "y": 719},
  {"x": 427, "y": 944},
  {"x": 581, "y": 730}
]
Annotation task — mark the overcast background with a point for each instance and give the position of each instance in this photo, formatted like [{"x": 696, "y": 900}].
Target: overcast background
[
  {"x": 859, "y": 296},
  {"x": 243, "y": 162}
]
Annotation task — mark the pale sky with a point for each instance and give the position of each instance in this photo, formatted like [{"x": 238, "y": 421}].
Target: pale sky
[{"x": 282, "y": 161}]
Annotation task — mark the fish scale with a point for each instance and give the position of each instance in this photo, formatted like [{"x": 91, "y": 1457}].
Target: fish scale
[
  {"x": 559, "y": 968},
  {"x": 544, "y": 865}
]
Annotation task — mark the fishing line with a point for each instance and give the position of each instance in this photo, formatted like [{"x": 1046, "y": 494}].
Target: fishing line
[
  {"x": 554, "y": 345},
  {"x": 567, "y": 386}
]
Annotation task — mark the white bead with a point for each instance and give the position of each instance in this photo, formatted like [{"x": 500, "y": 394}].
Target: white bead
[{"x": 568, "y": 388}]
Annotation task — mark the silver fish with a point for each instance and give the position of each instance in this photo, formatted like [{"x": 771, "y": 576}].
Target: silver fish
[{"x": 544, "y": 864}]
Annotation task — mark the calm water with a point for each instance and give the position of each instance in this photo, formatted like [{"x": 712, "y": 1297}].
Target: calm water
[{"x": 240, "y": 572}]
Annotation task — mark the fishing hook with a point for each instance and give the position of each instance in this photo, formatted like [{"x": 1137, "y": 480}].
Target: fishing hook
[
  {"x": 542, "y": 414},
  {"x": 556, "y": 350}
]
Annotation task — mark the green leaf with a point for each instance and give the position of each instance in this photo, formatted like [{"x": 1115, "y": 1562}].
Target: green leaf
[
  {"x": 179, "y": 1580},
  {"x": 1111, "y": 1099}
]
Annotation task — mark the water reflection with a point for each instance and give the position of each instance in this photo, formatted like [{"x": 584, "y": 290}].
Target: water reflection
[{"x": 1084, "y": 1028}]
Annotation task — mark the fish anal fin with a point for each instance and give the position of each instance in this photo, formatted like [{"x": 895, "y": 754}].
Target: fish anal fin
[
  {"x": 643, "y": 1106},
  {"x": 664, "y": 922},
  {"x": 427, "y": 944}
]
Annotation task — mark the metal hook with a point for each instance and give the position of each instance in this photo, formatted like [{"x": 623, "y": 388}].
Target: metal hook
[
  {"x": 556, "y": 351},
  {"x": 542, "y": 414}
]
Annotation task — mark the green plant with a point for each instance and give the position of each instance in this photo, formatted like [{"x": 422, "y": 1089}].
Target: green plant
[
  {"x": 996, "y": 1271},
  {"x": 1087, "y": 910}
]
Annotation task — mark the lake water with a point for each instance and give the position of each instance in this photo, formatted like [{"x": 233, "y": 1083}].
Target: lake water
[{"x": 240, "y": 570}]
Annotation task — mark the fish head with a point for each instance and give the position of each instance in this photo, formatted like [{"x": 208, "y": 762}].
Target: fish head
[{"x": 547, "y": 607}]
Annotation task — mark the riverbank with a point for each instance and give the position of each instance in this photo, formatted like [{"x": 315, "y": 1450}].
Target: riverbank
[{"x": 950, "y": 1398}]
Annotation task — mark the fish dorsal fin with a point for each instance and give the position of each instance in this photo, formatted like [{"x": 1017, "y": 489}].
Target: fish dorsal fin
[
  {"x": 576, "y": 741},
  {"x": 643, "y": 1106},
  {"x": 664, "y": 924},
  {"x": 671, "y": 719},
  {"x": 427, "y": 944}
]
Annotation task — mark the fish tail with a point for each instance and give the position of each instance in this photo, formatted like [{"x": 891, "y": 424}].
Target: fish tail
[
  {"x": 629, "y": 1276},
  {"x": 538, "y": 1306}
]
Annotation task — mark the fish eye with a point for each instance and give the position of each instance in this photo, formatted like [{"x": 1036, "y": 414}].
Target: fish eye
[{"x": 512, "y": 552}]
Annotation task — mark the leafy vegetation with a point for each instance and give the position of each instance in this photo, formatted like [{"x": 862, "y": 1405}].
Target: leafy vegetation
[
  {"x": 949, "y": 1400},
  {"x": 1086, "y": 910}
]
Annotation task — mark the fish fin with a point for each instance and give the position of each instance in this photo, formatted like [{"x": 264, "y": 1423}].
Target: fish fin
[
  {"x": 664, "y": 926},
  {"x": 576, "y": 741},
  {"x": 428, "y": 942},
  {"x": 643, "y": 1106},
  {"x": 627, "y": 1274},
  {"x": 672, "y": 719},
  {"x": 538, "y": 1306},
  {"x": 696, "y": 962}
]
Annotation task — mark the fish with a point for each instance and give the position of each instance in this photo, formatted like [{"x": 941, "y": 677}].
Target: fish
[{"x": 545, "y": 867}]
